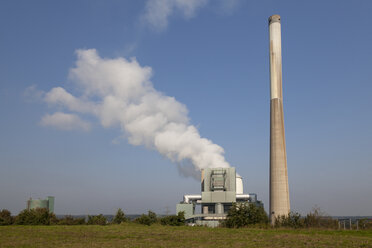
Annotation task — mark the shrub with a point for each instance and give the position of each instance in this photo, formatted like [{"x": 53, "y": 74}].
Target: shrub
[
  {"x": 38, "y": 216},
  {"x": 119, "y": 217},
  {"x": 152, "y": 216},
  {"x": 174, "y": 220},
  {"x": 242, "y": 215},
  {"x": 144, "y": 220},
  {"x": 148, "y": 219},
  {"x": 6, "y": 218},
  {"x": 293, "y": 220},
  {"x": 318, "y": 219},
  {"x": 69, "y": 220},
  {"x": 97, "y": 220},
  {"x": 365, "y": 224},
  {"x": 328, "y": 222}
]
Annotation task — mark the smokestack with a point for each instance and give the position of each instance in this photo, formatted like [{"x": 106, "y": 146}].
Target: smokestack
[{"x": 279, "y": 192}]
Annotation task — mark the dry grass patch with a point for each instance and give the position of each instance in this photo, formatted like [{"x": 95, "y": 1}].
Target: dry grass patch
[{"x": 135, "y": 235}]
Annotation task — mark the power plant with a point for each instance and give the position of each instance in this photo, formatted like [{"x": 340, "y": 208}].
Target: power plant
[
  {"x": 279, "y": 191},
  {"x": 220, "y": 188},
  {"x": 48, "y": 203}
]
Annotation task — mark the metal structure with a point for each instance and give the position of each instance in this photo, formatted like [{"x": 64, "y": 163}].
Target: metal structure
[
  {"x": 48, "y": 203},
  {"x": 279, "y": 191},
  {"x": 220, "y": 187}
]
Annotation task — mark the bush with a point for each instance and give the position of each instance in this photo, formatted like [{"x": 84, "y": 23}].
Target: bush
[
  {"x": 38, "y": 216},
  {"x": 293, "y": 220},
  {"x": 242, "y": 215},
  {"x": 69, "y": 220},
  {"x": 318, "y": 219},
  {"x": 365, "y": 224},
  {"x": 119, "y": 217},
  {"x": 97, "y": 220},
  {"x": 148, "y": 219},
  {"x": 174, "y": 220},
  {"x": 6, "y": 218},
  {"x": 314, "y": 219},
  {"x": 152, "y": 216},
  {"x": 144, "y": 220}
]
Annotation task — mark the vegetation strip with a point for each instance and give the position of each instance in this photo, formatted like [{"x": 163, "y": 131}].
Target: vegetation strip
[{"x": 137, "y": 235}]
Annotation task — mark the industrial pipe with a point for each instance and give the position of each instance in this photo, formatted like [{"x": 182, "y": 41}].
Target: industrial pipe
[{"x": 188, "y": 198}]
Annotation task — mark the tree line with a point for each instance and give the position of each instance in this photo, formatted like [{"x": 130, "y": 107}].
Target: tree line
[
  {"x": 41, "y": 216},
  {"x": 239, "y": 216}
]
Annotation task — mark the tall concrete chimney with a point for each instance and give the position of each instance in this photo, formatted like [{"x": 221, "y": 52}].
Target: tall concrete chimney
[{"x": 279, "y": 192}]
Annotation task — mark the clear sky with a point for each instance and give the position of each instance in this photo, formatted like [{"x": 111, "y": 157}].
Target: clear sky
[{"x": 57, "y": 138}]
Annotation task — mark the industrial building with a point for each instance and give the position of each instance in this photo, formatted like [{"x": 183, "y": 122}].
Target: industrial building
[
  {"x": 221, "y": 187},
  {"x": 48, "y": 203}
]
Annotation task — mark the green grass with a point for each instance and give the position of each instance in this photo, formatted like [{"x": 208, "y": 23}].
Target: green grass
[{"x": 135, "y": 235}]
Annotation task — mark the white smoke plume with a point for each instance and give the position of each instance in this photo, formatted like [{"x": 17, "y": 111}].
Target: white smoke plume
[
  {"x": 65, "y": 121},
  {"x": 158, "y": 12},
  {"x": 119, "y": 93}
]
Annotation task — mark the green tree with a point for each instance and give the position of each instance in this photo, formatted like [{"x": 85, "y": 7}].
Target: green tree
[
  {"x": 6, "y": 218},
  {"x": 153, "y": 217},
  {"x": 119, "y": 217},
  {"x": 242, "y": 215},
  {"x": 38, "y": 216}
]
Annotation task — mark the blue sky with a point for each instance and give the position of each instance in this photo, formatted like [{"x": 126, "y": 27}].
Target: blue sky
[{"x": 211, "y": 56}]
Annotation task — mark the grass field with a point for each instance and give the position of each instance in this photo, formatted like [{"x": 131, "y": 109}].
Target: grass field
[{"x": 135, "y": 235}]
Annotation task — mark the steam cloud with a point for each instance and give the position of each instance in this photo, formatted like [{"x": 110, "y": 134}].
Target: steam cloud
[
  {"x": 65, "y": 121},
  {"x": 119, "y": 93},
  {"x": 158, "y": 12}
]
